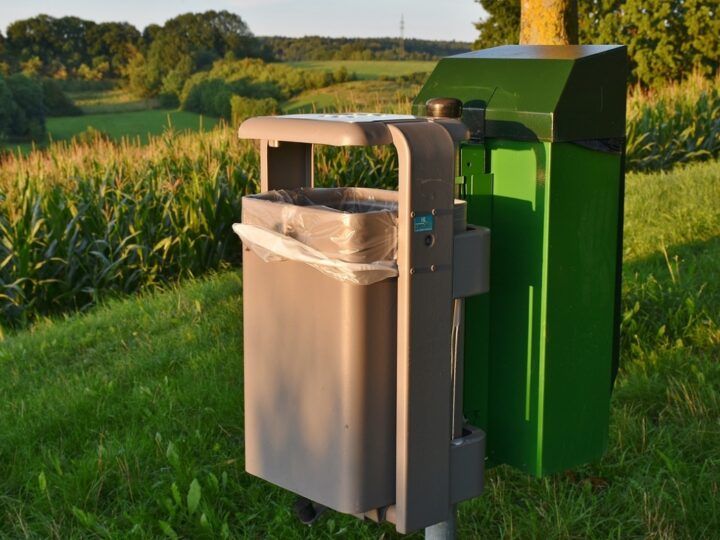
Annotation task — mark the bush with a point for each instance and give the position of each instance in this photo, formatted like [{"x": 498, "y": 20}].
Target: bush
[
  {"x": 168, "y": 100},
  {"x": 211, "y": 97},
  {"x": 24, "y": 118},
  {"x": 210, "y": 92},
  {"x": 90, "y": 136},
  {"x": 57, "y": 103},
  {"x": 243, "y": 108},
  {"x": 79, "y": 85}
]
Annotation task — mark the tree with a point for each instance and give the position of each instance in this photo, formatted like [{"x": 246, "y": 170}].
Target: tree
[
  {"x": 48, "y": 39},
  {"x": 666, "y": 39},
  {"x": 112, "y": 43},
  {"x": 190, "y": 43},
  {"x": 136, "y": 73},
  {"x": 502, "y": 25},
  {"x": 548, "y": 22},
  {"x": 64, "y": 44},
  {"x": 543, "y": 22}
]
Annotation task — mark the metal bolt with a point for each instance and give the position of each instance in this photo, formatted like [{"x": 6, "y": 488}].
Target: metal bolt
[
  {"x": 412, "y": 271},
  {"x": 433, "y": 212},
  {"x": 433, "y": 267},
  {"x": 412, "y": 214}
]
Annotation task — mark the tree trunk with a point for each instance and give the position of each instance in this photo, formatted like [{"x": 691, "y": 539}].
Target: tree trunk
[{"x": 548, "y": 22}]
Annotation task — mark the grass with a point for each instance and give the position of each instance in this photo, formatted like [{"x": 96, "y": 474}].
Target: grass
[
  {"x": 370, "y": 69},
  {"x": 126, "y": 422}
]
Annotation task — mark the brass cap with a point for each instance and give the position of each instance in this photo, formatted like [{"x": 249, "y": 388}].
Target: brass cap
[{"x": 443, "y": 107}]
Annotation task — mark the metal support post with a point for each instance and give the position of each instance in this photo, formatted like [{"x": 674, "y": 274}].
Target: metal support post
[{"x": 445, "y": 530}]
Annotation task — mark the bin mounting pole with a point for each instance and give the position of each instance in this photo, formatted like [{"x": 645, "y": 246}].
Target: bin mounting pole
[{"x": 445, "y": 530}]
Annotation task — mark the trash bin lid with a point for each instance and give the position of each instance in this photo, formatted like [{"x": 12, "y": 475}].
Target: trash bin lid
[{"x": 349, "y": 129}]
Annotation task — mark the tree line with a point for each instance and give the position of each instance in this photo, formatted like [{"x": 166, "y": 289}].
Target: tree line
[
  {"x": 159, "y": 57},
  {"x": 70, "y": 47},
  {"x": 321, "y": 48},
  {"x": 666, "y": 39}
]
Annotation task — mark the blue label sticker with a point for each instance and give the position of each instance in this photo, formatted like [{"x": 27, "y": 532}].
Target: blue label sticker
[{"x": 423, "y": 223}]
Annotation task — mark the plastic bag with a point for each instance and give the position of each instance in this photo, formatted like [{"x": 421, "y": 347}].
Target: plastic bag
[
  {"x": 349, "y": 234},
  {"x": 271, "y": 246}
]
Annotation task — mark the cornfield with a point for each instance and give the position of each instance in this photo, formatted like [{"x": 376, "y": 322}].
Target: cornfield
[
  {"x": 84, "y": 220},
  {"x": 678, "y": 123}
]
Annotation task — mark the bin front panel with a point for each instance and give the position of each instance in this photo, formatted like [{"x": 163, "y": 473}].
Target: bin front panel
[{"x": 320, "y": 384}]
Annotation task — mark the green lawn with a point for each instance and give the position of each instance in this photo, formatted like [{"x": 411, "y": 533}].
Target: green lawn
[
  {"x": 129, "y": 124},
  {"x": 126, "y": 422},
  {"x": 370, "y": 69}
]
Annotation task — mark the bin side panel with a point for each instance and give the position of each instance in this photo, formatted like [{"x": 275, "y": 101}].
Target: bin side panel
[
  {"x": 320, "y": 384},
  {"x": 552, "y": 303},
  {"x": 581, "y": 295},
  {"x": 518, "y": 227}
]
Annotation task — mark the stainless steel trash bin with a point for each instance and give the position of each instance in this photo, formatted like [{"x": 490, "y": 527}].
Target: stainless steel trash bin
[
  {"x": 320, "y": 342},
  {"x": 352, "y": 373},
  {"x": 320, "y": 349}
]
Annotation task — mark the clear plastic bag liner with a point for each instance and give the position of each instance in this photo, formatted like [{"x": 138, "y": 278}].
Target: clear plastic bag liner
[
  {"x": 349, "y": 224},
  {"x": 272, "y": 246},
  {"x": 348, "y": 233}
]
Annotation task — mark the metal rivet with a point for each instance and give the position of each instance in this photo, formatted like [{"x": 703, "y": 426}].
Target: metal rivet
[
  {"x": 412, "y": 214},
  {"x": 433, "y": 212},
  {"x": 433, "y": 267},
  {"x": 412, "y": 271}
]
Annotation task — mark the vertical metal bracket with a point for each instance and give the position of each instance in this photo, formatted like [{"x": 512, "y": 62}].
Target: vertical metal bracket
[{"x": 424, "y": 395}]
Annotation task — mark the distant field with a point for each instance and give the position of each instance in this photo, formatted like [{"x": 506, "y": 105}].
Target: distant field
[
  {"x": 111, "y": 101},
  {"x": 370, "y": 69},
  {"x": 366, "y": 95},
  {"x": 129, "y": 124}
]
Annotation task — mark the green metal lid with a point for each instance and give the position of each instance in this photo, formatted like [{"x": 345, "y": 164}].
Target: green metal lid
[{"x": 536, "y": 92}]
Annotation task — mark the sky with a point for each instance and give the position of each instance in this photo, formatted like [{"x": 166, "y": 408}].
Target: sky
[{"x": 425, "y": 19}]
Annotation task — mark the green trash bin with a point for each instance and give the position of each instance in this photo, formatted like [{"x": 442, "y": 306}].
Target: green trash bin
[{"x": 544, "y": 170}]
